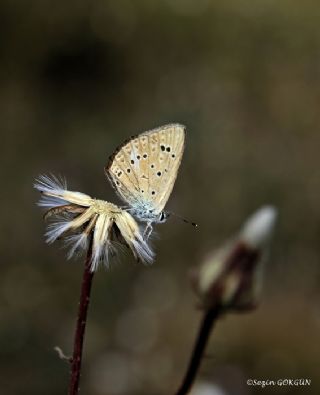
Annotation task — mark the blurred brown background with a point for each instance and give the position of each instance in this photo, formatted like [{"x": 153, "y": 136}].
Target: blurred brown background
[{"x": 79, "y": 77}]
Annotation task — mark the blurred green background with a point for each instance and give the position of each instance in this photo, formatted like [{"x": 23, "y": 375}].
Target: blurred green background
[{"x": 79, "y": 77}]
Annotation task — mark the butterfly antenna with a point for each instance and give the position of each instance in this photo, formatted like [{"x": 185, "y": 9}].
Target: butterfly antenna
[{"x": 194, "y": 224}]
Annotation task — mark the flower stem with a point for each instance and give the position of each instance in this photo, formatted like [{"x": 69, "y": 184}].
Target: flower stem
[
  {"x": 208, "y": 321},
  {"x": 81, "y": 323}
]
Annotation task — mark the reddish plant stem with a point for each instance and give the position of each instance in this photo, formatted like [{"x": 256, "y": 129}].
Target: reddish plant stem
[
  {"x": 208, "y": 321},
  {"x": 81, "y": 324}
]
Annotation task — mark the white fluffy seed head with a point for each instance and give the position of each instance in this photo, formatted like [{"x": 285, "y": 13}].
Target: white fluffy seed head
[
  {"x": 74, "y": 216},
  {"x": 54, "y": 192},
  {"x": 130, "y": 231},
  {"x": 78, "y": 243}
]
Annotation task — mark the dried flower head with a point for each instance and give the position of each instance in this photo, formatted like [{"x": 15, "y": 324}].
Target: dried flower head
[
  {"x": 231, "y": 277},
  {"x": 75, "y": 216}
]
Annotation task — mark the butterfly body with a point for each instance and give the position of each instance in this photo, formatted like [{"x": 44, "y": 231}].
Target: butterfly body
[
  {"x": 144, "y": 168},
  {"x": 146, "y": 213}
]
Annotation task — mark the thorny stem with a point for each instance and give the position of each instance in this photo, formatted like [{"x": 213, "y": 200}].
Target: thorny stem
[
  {"x": 208, "y": 321},
  {"x": 81, "y": 323}
]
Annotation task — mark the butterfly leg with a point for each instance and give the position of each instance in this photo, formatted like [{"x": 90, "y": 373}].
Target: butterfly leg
[{"x": 148, "y": 230}]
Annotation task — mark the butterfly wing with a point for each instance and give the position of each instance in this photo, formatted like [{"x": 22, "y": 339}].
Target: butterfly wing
[
  {"x": 167, "y": 146},
  {"x": 143, "y": 169}
]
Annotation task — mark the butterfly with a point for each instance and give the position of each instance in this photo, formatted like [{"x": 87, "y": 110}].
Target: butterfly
[{"x": 143, "y": 171}]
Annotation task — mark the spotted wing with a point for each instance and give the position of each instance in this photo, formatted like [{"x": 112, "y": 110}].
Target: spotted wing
[{"x": 143, "y": 170}]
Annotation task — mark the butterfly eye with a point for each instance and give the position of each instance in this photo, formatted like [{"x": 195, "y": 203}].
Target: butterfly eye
[{"x": 163, "y": 216}]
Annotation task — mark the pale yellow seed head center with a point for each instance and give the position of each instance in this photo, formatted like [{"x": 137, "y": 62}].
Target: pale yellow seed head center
[{"x": 103, "y": 207}]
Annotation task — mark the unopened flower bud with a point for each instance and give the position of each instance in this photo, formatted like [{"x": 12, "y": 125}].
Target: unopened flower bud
[
  {"x": 231, "y": 276},
  {"x": 258, "y": 228}
]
